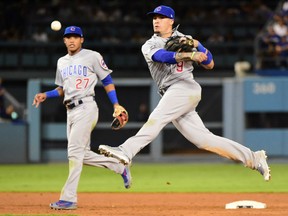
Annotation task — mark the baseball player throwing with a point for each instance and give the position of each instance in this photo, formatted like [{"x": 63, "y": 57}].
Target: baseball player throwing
[
  {"x": 172, "y": 72},
  {"x": 76, "y": 76}
]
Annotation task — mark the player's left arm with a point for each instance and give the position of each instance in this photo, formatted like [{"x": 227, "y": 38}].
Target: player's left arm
[
  {"x": 203, "y": 56},
  {"x": 209, "y": 62},
  {"x": 120, "y": 114},
  {"x": 110, "y": 90}
]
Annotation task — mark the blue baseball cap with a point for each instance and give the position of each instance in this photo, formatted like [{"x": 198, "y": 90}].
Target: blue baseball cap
[
  {"x": 163, "y": 10},
  {"x": 73, "y": 30}
]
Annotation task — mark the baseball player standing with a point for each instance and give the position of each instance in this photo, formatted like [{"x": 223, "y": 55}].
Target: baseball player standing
[
  {"x": 172, "y": 72},
  {"x": 76, "y": 76}
]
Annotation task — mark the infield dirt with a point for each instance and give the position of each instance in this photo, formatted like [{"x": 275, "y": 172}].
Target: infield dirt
[{"x": 144, "y": 204}]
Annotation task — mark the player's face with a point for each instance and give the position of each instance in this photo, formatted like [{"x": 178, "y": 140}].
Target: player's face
[
  {"x": 73, "y": 43},
  {"x": 162, "y": 25}
]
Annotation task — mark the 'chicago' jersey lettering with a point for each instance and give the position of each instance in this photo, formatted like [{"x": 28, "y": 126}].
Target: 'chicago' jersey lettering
[{"x": 74, "y": 70}]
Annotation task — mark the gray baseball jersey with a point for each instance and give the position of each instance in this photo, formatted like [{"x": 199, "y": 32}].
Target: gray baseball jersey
[
  {"x": 170, "y": 73},
  {"x": 78, "y": 75},
  {"x": 178, "y": 105}
]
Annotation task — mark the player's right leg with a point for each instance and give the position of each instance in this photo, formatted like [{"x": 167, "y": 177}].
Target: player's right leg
[
  {"x": 175, "y": 102},
  {"x": 114, "y": 152}
]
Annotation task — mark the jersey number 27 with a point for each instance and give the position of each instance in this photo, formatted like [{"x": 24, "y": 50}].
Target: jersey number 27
[{"x": 82, "y": 83}]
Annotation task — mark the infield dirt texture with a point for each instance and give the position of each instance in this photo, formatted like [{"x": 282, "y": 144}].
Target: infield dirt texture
[{"x": 145, "y": 204}]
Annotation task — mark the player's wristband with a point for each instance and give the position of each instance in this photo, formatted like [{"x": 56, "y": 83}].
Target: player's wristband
[
  {"x": 112, "y": 96},
  {"x": 209, "y": 59},
  {"x": 52, "y": 93}
]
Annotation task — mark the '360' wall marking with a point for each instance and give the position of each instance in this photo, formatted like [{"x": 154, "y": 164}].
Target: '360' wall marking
[{"x": 264, "y": 88}]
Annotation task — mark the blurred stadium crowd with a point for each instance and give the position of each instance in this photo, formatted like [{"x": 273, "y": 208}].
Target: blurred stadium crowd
[
  {"x": 117, "y": 29},
  {"x": 273, "y": 43},
  {"x": 23, "y": 19},
  {"x": 227, "y": 27}
]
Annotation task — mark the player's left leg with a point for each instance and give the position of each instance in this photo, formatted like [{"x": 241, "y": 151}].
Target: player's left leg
[
  {"x": 192, "y": 128},
  {"x": 93, "y": 159},
  {"x": 80, "y": 121}
]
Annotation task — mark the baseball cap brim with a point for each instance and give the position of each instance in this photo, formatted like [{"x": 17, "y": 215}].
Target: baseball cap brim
[{"x": 153, "y": 13}]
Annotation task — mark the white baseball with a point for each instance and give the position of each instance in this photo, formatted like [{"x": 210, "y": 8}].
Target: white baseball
[{"x": 56, "y": 25}]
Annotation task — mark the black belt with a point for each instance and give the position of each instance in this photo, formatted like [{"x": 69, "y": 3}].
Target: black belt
[
  {"x": 75, "y": 103},
  {"x": 70, "y": 105}
]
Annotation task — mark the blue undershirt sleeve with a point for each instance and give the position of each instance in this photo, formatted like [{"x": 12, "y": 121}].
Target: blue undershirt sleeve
[
  {"x": 107, "y": 80},
  {"x": 209, "y": 59},
  {"x": 164, "y": 56},
  {"x": 201, "y": 48}
]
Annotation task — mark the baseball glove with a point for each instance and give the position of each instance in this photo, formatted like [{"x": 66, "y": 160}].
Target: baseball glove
[
  {"x": 179, "y": 44},
  {"x": 120, "y": 118}
]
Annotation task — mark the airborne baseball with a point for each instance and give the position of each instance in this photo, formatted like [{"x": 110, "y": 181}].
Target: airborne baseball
[{"x": 55, "y": 25}]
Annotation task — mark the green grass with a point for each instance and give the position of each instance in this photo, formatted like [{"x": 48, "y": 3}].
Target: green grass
[{"x": 154, "y": 177}]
